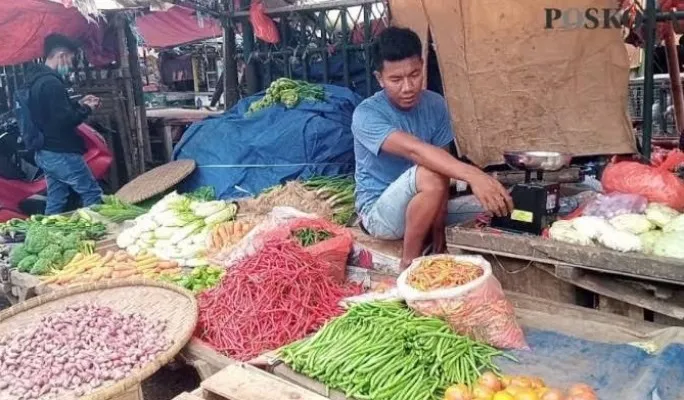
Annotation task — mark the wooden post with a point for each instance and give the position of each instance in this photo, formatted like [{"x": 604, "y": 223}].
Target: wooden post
[
  {"x": 230, "y": 70},
  {"x": 135, "y": 134},
  {"x": 136, "y": 80},
  {"x": 195, "y": 74},
  {"x": 251, "y": 77},
  {"x": 675, "y": 79}
]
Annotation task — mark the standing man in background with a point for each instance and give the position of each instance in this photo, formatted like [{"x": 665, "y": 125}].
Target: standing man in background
[
  {"x": 56, "y": 116},
  {"x": 403, "y": 168}
]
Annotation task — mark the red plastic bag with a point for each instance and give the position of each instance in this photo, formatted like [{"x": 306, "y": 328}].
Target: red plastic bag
[
  {"x": 335, "y": 251},
  {"x": 657, "y": 185},
  {"x": 673, "y": 160},
  {"x": 264, "y": 27}
]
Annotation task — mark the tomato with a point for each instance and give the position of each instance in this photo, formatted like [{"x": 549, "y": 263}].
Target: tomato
[
  {"x": 579, "y": 388},
  {"x": 514, "y": 389},
  {"x": 483, "y": 392},
  {"x": 527, "y": 394},
  {"x": 490, "y": 380},
  {"x": 521, "y": 381},
  {"x": 503, "y": 395},
  {"x": 553, "y": 394},
  {"x": 537, "y": 383},
  {"x": 583, "y": 396},
  {"x": 458, "y": 392}
]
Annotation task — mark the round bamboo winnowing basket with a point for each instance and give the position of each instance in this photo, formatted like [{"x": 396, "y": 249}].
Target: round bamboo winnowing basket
[{"x": 152, "y": 299}]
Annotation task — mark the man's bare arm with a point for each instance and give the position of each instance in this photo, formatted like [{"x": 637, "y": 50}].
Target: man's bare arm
[{"x": 492, "y": 195}]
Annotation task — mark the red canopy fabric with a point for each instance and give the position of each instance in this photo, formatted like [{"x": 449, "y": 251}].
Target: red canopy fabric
[
  {"x": 24, "y": 24},
  {"x": 174, "y": 27}
]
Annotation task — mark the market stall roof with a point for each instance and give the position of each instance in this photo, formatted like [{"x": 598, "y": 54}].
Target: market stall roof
[
  {"x": 24, "y": 24},
  {"x": 175, "y": 27}
]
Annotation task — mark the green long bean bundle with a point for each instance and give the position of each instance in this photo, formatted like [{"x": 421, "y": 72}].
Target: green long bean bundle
[{"x": 385, "y": 351}]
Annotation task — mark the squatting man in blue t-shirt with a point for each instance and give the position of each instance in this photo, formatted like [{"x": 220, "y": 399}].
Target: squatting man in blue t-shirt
[{"x": 401, "y": 140}]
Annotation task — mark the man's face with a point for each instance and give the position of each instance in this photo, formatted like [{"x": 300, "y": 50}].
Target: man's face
[
  {"x": 402, "y": 81},
  {"x": 66, "y": 58}
]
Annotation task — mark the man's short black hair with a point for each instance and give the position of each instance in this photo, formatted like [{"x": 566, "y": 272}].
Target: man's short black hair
[
  {"x": 56, "y": 42},
  {"x": 396, "y": 44}
]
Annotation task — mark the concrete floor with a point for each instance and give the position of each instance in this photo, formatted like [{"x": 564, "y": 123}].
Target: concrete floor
[{"x": 166, "y": 384}]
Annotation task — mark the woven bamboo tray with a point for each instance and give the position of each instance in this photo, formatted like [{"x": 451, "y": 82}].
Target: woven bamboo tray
[
  {"x": 152, "y": 299},
  {"x": 156, "y": 181}
]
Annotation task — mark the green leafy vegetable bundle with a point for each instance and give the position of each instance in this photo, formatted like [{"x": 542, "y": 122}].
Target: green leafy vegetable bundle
[
  {"x": 45, "y": 250},
  {"x": 338, "y": 192},
  {"x": 288, "y": 92},
  {"x": 78, "y": 222},
  {"x": 385, "y": 351},
  {"x": 116, "y": 210}
]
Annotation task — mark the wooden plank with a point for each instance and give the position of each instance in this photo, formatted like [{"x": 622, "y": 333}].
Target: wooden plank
[
  {"x": 167, "y": 140},
  {"x": 613, "y": 306},
  {"x": 204, "y": 359},
  {"x": 523, "y": 276},
  {"x": 244, "y": 382},
  {"x": 624, "y": 292},
  {"x": 551, "y": 252},
  {"x": 187, "y": 396},
  {"x": 285, "y": 372}
]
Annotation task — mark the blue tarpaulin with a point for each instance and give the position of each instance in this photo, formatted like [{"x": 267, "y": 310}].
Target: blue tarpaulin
[
  {"x": 241, "y": 155},
  {"x": 616, "y": 371}
]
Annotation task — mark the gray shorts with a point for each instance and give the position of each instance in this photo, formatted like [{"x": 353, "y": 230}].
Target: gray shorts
[{"x": 386, "y": 219}]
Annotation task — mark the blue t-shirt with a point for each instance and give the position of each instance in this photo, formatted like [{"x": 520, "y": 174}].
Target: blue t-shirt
[{"x": 374, "y": 120}]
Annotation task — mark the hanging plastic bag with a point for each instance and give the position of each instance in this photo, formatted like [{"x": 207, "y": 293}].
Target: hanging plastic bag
[
  {"x": 478, "y": 309},
  {"x": 656, "y": 185},
  {"x": 264, "y": 27}
]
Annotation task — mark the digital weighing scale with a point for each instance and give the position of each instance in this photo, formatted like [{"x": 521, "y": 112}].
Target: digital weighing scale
[{"x": 536, "y": 203}]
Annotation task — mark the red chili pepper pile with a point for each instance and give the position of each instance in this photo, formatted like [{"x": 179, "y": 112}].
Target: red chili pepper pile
[{"x": 268, "y": 300}]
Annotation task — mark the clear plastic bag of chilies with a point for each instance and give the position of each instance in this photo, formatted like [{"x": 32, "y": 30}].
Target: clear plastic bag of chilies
[{"x": 477, "y": 309}]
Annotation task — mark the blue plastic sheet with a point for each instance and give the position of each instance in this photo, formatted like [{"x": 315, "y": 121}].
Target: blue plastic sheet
[
  {"x": 616, "y": 371},
  {"x": 241, "y": 155}
]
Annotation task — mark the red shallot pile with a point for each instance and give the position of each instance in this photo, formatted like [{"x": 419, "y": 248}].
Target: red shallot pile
[
  {"x": 269, "y": 299},
  {"x": 75, "y": 351}
]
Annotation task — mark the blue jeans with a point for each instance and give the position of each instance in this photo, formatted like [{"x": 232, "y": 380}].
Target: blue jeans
[
  {"x": 386, "y": 219},
  {"x": 64, "y": 171}
]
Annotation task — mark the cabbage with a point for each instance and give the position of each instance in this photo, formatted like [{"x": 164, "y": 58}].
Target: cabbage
[
  {"x": 676, "y": 225},
  {"x": 561, "y": 232},
  {"x": 590, "y": 226},
  {"x": 660, "y": 214},
  {"x": 670, "y": 245},
  {"x": 648, "y": 241},
  {"x": 620, "y": 240},
  {"x": 632, "y": 223}
]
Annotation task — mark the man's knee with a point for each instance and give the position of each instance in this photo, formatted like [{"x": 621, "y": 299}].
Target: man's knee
[{"x": 431, "y": 181}]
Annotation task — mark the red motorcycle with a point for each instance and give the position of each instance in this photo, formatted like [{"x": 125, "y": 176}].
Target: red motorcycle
[{"x": 22, "y": 185}]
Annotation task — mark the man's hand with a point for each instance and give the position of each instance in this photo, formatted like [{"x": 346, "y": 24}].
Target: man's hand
[
  {"x": 90, "y": 101},
  {"x": 491, "y": 194}
]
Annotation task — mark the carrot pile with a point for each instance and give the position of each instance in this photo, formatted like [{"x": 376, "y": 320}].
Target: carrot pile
[
  {"x": 227, "y": 235},
  {"x": 440, "y": 273},
  {"x": 268, "y": 300}
]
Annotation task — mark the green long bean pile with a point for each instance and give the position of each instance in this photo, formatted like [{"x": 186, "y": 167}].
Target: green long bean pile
[{"x": 385, "y": 351}]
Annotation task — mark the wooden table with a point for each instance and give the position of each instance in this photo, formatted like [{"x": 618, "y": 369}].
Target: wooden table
[
  {"x": 173, "y": 121},
  {"x": 625, "y": 283}
]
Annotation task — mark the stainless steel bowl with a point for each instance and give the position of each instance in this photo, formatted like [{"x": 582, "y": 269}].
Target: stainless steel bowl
[{"x": 537, "y": 160}]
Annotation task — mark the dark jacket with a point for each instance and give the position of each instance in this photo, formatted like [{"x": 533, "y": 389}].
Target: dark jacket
[{"x": 54, "y": 113}]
